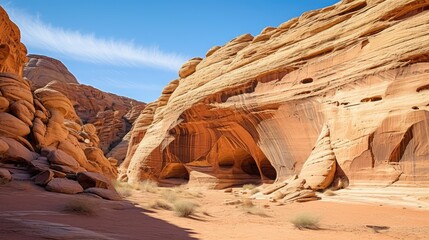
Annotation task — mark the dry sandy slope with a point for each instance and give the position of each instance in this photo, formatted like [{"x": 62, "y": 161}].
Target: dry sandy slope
[
  {"x": 21, "y": 205},
  {"x": 339, "y": 220},
  {"x": 28, "y": 212}
]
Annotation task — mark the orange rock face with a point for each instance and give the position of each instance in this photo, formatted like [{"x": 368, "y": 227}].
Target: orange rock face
[
  {"x": 111, "y": 115},
  {"x": 42, "y": 70},
  {"x": 40, "y": 132},
  {"x": 338, "y": 95},
  {"x": 12, "y": 51}
]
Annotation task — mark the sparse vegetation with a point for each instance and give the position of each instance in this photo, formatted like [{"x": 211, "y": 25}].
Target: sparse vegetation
[
  {"x": 329, "y": 192},
  {"x": 249, "y": 207},
  {"x": 184, "y": 208},
  {"x": 160, "y": 204},
  {"x": 247, "y": 203},
  {"x": 80, "y": 207},
  {"x": 255, "y": 210},
  {"x": 306, "y": 221},
  {"x": 148, "y": 186},
  {"x": 123, "y": 188},
  {"x": 169, "y": 195},
  {"x": 23, "y": 185},
  {"x": 248, "y": 186},
  {"x": 255, "y": 190}
]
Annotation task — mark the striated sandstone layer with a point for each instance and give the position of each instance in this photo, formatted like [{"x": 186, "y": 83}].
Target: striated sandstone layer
[
  {"x": 112, "y": 115},
  {"x": 41, "y": 135},
  {"x": 41, "y": 70},
  {"x": 344, "y": 88}
]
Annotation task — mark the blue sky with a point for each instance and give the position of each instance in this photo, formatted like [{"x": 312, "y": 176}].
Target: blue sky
[{"x": 134, "y": 48}]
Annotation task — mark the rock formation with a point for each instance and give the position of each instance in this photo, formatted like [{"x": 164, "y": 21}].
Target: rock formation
[
  {"x": 254, "y": 108},
  {"x": 41, "y": 70},
  {"x": 41, "y": 136},
  {"x": 111, "y": 115}
]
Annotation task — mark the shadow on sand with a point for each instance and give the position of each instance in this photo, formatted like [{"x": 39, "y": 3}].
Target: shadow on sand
[{"x": 33, "y": 212}]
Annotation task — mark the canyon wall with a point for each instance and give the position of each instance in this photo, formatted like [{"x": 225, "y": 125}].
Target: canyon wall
[
  {"x": 112, "y": 115},
  {"x": 41, "y": 136},
  {"x": 338, "y": 95}
]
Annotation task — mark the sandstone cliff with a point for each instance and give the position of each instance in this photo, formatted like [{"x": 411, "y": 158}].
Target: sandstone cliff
[
  {"x": 41, "y": 136},
  {"x": 112, "y": 115},
  {"x": 337, "y": 95},
  {"x": 41, "y": 70}
]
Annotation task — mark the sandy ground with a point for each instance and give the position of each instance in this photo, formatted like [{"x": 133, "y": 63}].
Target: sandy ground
[{"x": 28, "y": 212}]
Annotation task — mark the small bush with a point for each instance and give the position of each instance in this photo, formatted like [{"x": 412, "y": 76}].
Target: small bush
[
  {"x": 169, "y": 195},
  {"x": 160, "y": 204},
  {"x": 193, "y": 193},
  {"x": 123, "y": 188},
  {"x": 124, "y": 192},
  {"x": 255, "y": 210},
  {"x": 329, "y": 192},
  {"x": 148, "y": 186},
  {"x": 247, "y": 203},
  {"x": 23, "y": 185},
  {"x": 249, "y": 207},
  {"x": 306, "y": 221},
  {"x": 255, "y": 190},
  {"x": 184, "y": 208},
  {"x": 248, "y": 186},
  {"x": 80, "y": 207}
]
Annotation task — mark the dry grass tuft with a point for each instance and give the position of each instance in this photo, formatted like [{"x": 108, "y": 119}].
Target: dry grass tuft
[
  {"x": 247, "y": 203},
  {"x": 329, "y": 192},
  {"x": 248, "y": 186},
  {"x": 160, "y": 204},
  {"x": 123, "y": 188},
  {"x": 249, "y": 207},
  {"x": 169, "y": 195},
  {"x": 23, "y": 185},
  {"x": 184, "y": 208},
  {"x": 306, "y": 221},
  {"x": 255, "y": 190},
  {"x": 255, "y": 210},
  {"x": 147, "y": 186},
  {"x": 80, "y": 207}
]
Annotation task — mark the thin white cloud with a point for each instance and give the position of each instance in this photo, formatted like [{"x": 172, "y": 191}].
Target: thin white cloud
[{"x": 89, "y": 48}]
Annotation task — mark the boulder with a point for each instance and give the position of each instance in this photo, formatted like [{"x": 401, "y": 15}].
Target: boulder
[
  {"x": 189, "y": 67},
  {"x": 59, "y": 157},
  {"x": 4, "y": 104},
  {"x": 3, "y": 147},
  {"x": 64, "y": 185},
  {"x": 17, "y": 152},
  {"x": 93, "y": 179},
  {"x": 13, "y": 126},
  {"x": 109, "y": 194},
  {"x": 44, "y": 177},
  {"x": 5, "y": 176}
]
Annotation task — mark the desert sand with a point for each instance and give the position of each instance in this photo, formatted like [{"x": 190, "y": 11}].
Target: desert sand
[{"x": 29, "y": 212}]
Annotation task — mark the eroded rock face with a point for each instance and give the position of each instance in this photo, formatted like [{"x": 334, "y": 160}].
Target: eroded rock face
[
  {"x": 12, "y": 51},
  {"x": 254, "y": 108},
  {"x": 41, "y": 70},
  {"x": 112, "y": 115},
  {"x": 40, "y": 133}
]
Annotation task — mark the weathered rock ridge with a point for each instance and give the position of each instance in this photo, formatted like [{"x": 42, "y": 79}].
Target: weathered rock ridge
[
  {"x": 112, "y": 115},
  {"x": 336, "y": 96},
  {"x": 41, "y": 136}
]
